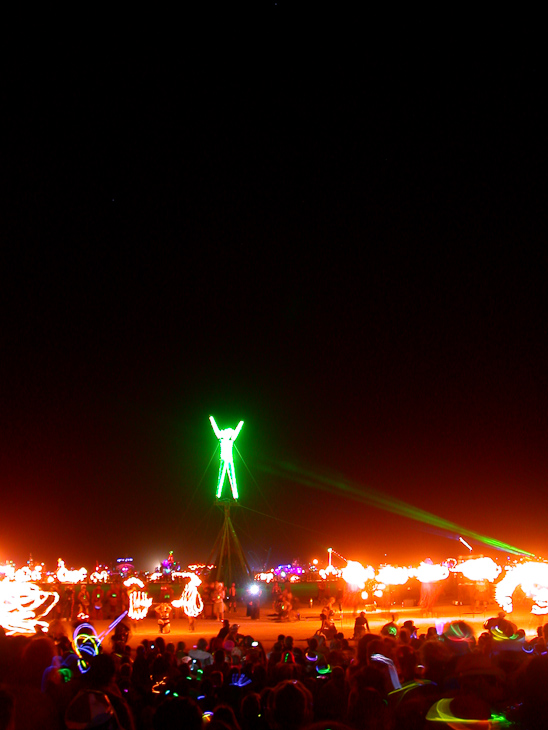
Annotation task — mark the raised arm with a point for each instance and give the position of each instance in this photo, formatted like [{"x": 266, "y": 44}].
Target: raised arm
[
  {"x": 238, "y": 429},
  {"x": 215, "y": 428}
]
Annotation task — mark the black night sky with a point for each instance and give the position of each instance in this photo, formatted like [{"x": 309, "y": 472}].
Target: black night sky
[{"x": 350, "y": 256}]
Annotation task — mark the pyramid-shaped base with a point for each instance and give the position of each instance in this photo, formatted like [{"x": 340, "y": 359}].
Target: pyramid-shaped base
[{"x": 227, "y": 555}]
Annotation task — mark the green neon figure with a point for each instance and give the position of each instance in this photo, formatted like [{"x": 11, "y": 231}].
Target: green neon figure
[{"x": 226, "y": 437}]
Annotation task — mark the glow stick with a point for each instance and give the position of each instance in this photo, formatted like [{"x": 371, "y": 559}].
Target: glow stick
[
  {"x": 89, "y": 643},
  {"x": 112, "y": 625},
  {"x": 465, "y": 543},
  {"x": 391, "y": 668}
]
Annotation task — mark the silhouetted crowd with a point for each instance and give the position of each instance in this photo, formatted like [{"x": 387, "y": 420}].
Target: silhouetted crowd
[{"x": 391, "y": 680}]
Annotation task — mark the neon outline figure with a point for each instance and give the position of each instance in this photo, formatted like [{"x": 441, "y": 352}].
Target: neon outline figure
[{"x": 226, "y": 437}]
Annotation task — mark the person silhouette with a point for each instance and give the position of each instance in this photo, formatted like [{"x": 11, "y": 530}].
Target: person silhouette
[{"x": 226, "y": 437}]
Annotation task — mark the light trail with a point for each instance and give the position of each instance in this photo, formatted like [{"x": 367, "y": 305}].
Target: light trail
[
  {"x": 22, "y": 605},
  {"x": 139, "y": 600},
  {"x": 370, "y": 497},
  {"x": 191, "y": 601}
]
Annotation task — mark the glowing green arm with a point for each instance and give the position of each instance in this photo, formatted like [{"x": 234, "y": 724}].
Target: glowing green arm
[{"x": 215, "y": 427}]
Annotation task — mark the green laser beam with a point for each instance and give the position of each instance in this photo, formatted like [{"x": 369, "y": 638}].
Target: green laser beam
[
  {"x": 285, "y": 522},
  {"x": 189, "y": 502},
  {"x": 373, "y": 498}
]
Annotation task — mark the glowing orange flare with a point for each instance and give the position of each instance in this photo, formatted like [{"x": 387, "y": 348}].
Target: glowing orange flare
[
  {"x": 479, "y": 569},
  {"x": 8, "y": 571},
  {"x": 429, "y": 573},
  {"x": 356, "y": 575},
  {"x": 70, "y": 576},
  {"x": 99, "y": 576},
  {"x": 392, "y": 575},
  {"x": 134, "y": 581},
  {"x": 330, "y": 570},
  {"x": 533, "y": 579},
  {"x": 265, "y": 577},
  {"x": 25, "y": 574}
]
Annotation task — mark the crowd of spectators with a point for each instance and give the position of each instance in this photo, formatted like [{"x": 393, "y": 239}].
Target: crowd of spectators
[{"x": 396, "y": 679}]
